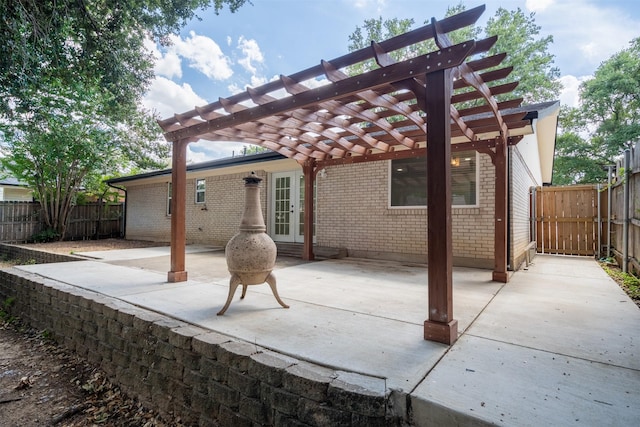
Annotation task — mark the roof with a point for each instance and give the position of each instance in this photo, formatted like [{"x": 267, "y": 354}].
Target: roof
[
  {"x": 212, "y": 164},
  {"x": 14, "y": 182}
]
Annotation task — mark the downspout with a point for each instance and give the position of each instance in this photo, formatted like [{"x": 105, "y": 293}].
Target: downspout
[{"x": 124, "y": 209}]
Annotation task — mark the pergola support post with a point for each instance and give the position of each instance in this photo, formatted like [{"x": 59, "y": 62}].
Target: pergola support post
[
  {"x": 500, "y": 273},
  {"x": 178, "y": 271},
  {"x": 308, "y": 169},
  {"x": 440, "y": 326}
]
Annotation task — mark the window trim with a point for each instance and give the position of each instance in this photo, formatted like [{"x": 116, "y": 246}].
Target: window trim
[
  {"x": 203, "y": 191},
  {"x": 476, "y": 205},
  {"x": 169, "y": 198}
]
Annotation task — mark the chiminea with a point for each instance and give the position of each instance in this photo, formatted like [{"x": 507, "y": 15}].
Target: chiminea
[{"x": 251, "y": 254}]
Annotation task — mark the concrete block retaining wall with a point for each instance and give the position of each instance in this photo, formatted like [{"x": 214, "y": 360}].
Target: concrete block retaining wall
[
  {"x": 33, "y": 256},
  {"x": 201, "y": 376}
]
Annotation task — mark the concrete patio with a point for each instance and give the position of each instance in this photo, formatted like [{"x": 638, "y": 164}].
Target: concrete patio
[{"x": 557, "y": 345}]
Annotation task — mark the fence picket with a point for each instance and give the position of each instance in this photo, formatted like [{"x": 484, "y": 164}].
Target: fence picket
[{"x": 19, "y": 221}]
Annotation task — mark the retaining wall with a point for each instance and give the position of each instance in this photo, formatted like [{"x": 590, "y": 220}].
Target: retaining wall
[
  {"x": 33, "y": 256},
  {"x": 203, "y": 377}
]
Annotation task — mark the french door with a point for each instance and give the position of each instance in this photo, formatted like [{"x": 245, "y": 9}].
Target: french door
[{"x": 287, "y": 206}]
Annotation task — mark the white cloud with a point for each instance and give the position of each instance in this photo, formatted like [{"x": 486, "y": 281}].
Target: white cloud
[
  {"x": 368, "y": 5},
  {"x": 537, "y": 5},
  {"x": 203, "y": 151},
  {"x": 168, "y": 65},
  {"x": 203, "y": 54},
  {"x": 570, "y": 95},
  {"x": 168, "y": 97},
  {"x": 593, "y": 35},
  {"x": 251, "y": 54}
]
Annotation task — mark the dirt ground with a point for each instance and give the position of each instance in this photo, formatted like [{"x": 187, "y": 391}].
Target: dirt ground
[{"x": 42, "y": 384}]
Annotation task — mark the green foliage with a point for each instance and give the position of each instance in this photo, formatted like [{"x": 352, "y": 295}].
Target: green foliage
[
  {"x": 629, "y": 282},
  {"x": 47, "y": 235},
  {"x": 517, "y": 36},
  {"x": 101, "y": 39},
  {"x": 527, "y": 53},
  {"x": 72, "y": 75},
  {"x": 610, "y": 105}
]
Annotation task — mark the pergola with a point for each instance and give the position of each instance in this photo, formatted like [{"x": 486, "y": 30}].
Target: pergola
[{"x": 417, "y": 106}]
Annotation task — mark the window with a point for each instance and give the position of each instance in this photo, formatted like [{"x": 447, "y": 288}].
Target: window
[
  {"x": 409, "y": 180},
  {"x": 169, "y": 199},
  {"x": 200, "y": 190}
]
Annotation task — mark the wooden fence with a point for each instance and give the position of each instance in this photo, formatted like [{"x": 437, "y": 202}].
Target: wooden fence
[
  {"x": 574, "y": 220},
  {"x": 567, "y": 220},
  {"x": 625, "y": 226},
  {"x": 20, "y": 221}
]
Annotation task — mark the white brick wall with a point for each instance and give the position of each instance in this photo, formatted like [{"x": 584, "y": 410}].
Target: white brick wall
[{"x": 519, "y": 209}]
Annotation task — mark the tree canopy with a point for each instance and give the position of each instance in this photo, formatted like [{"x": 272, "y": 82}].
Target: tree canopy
[
  {"x": 606, "y": 122},
  {"x": 518, "y": 36},
  {"x": 72, "y": 74}
]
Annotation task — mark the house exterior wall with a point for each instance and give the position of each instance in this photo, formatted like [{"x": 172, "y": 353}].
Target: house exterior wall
[
  {"x": 146, "y": 212},
  {"x": 15, "y": 194},
  {"x": 213, "y": 222},
  {"x": 353, "y": 212},
  {"x": 521, "y": 181}
]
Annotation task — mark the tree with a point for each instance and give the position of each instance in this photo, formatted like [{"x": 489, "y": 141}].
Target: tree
[
  {"x": 532, "y": 63},
  {"x": 102, "y": 39},
  {"x": 58, "y": 153},
  {"x": 607, "y": 121},
  {"x": 72, "y": 74},
  {"x": 517, "y": 36}
]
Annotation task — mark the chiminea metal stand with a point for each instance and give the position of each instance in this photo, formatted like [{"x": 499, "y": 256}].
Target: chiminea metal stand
[{"x": 251, "y": 253}]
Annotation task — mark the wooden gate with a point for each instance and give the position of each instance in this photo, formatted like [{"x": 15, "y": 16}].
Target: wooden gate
[{"x": 567, "y": 220}]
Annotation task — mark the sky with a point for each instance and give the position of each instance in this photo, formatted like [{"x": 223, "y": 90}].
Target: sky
[{"x": 220, "y": 55}]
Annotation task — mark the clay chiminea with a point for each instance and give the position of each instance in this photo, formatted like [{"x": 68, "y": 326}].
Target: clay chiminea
[{"x": 251, "y": 254}]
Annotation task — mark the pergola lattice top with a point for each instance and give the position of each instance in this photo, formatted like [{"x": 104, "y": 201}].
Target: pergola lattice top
[{"x": 380, "y": 111}]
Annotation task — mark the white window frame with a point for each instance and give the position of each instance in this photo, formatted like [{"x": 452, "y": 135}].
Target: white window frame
[
  {"x": 202, "y": 191},
  {"x": 477, "y": 204}
]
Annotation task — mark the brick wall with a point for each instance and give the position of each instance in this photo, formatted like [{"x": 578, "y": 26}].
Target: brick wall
[
  {"x": 213, "y": 222},
  {"x": 353, "y": 212},
  {"x": 199, "y": 375}
]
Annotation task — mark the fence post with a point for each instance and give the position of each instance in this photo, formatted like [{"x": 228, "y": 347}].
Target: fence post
[
  {"x": 609, "y": 201},
  {"x": 598, "y": 204},
  {"x": 626, "y": 220}
]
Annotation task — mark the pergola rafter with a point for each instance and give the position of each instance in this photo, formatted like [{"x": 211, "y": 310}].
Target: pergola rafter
[{"x": 416, "y": 106}]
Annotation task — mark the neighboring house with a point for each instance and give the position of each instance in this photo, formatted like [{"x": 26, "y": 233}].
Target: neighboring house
[
  {"x": 12, "y": 190},
  {"x": 373, "y": 210}
]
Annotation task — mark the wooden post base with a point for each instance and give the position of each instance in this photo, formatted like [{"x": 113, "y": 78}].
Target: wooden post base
[
  {"x": 446, "y": 333},
  {"x": 499, "y": 276},
  {"x": 176, "y": 276}
]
